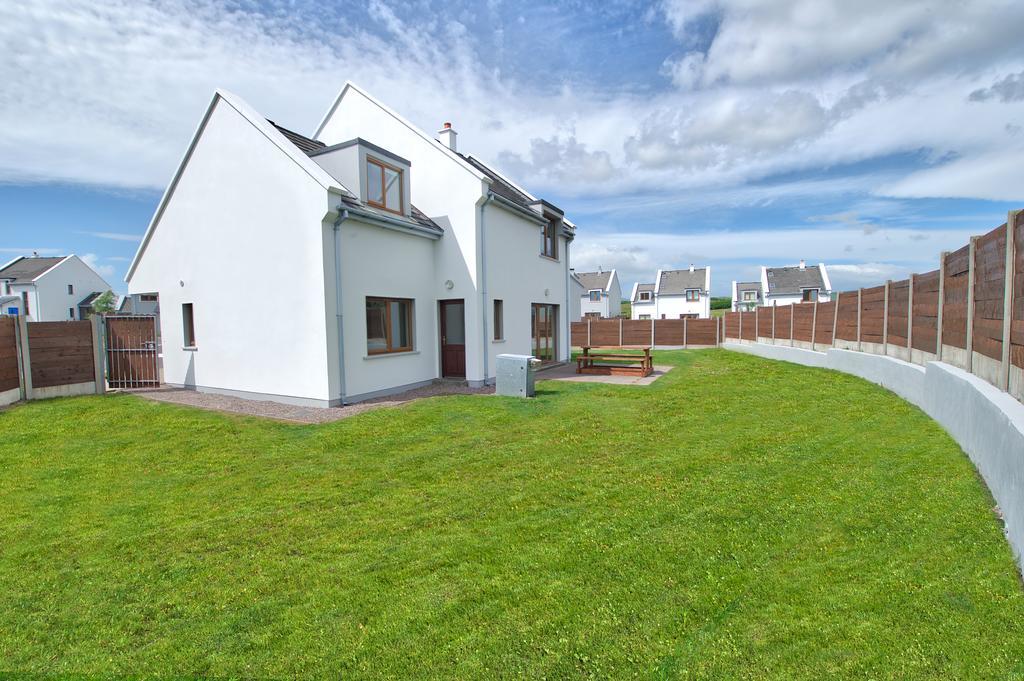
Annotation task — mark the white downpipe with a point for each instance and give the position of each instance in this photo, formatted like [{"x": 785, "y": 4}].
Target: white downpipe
[
  {"x": 342, "y": 216},
  {"x": 483, "y": 283}
]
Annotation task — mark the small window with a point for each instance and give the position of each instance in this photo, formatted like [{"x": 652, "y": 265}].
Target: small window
[
  {"x": 383, "y": 186},
  {"x": 148, "y": 298},
  {"x": 188, "y": 325},
  {"x": 645, "y": 295},
  {"x": 388, "y": 325},
  {"x": 750, "y": 295},
  {"x": 24, "y": 300},
  {"x": 810, "y": 295},
  {"x": 71, "y": 312},
  {"x": 645, "y": 317},
  {"x": 71, "y": 289},
  {"x": 692, "y": 295},
  {"x": 662, "y": 316},
  {"x": 551, "y": 239},
  {"x": 499, "y": 320},
  {"x": 7, "y": 288},
  {"x": 595, "y": 296}
]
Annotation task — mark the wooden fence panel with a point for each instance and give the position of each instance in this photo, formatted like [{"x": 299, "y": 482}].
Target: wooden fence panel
[
  {"x": 578, "y": 334},
  {"x": 636, "y": 332},
  {"x": 926, "y": 311},
  {"x": 731, "y": 325},
  {"x": 846, "y": 311},
  {"x": 764, "y": 322},
  {"x": 989, "y": 287},
  {"x": 668, "y": 332},
  {"x": 700, "y": 331},
  {"x": 8, "y": 354},
  {"x": 823, "y": 324},
  {"x": 899, "y": 309},
  {"x": 61, "y": 353},
  {"x": 872, "y": 314},
  {"x": 749, "y": 320},
  {"x": 954, "y": 306},
  {"x": 604, "y": 332},
  {"x": 783, "y": 322},
  {"x": 1017, "y": 320},
  {"x": 803, "y": 321}
]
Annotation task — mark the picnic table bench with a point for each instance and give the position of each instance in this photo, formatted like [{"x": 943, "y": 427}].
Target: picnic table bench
[{"x": 591, "y": 362}]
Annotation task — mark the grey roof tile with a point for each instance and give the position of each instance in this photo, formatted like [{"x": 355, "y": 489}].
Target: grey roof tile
[
  {"x": 26, "y": 269},
  {"x": 790, "y": 280},
  {"x": 593, "y": 280},
  {"x": 676, "y": 282}
]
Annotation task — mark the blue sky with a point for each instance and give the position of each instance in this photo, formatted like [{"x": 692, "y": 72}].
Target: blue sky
[{"x": 733, "y": 133}]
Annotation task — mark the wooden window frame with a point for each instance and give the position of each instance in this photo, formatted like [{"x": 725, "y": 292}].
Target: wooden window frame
[
  {"x": 641, "y": 299},
  {"x": 499, "y": 319},
  {"x": 752, "y": 296},
  {"x": 550, "y": 237},
  {"x": 591, "y": 293},
  {"x": 384, "y": 187},
  {"x": 388, "y": 336},
  {"x": 696, "y": 295},
  {"x": 804, "y": 297}
]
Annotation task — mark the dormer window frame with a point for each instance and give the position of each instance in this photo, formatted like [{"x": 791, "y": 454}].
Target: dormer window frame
[
  {"x": 384, "y": 166},
  {"x": 644, "y": 297}
]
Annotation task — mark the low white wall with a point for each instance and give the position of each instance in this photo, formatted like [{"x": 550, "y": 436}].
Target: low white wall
[
  {"x": 10, "y": 396},
  {"x": 71, "y": 390},
  {"x": 987, "y": 423}
]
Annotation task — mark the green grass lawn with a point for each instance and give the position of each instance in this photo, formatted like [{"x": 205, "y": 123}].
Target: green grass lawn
[{"x": 737, "y": 519}]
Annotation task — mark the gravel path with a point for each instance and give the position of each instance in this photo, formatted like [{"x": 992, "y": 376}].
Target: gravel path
[{"x": 298, "y": 414}]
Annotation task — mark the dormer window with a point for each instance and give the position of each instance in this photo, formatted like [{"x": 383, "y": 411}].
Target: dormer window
[
  {"x": 383, "y": 185},
  {"x": 645, "y": 296},
  {"x": 692, "y": 295},
  {"x": 595, "y": 295},
  {"x": 810, "y": 295},
  {"x": 551, "y": 239}
]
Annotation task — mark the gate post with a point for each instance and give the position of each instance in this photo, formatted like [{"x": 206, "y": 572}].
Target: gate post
[
  {"x": 97, "y": 353},
  {"x": 26, "y": 359},
  {"x": 1008, "y": 283}
]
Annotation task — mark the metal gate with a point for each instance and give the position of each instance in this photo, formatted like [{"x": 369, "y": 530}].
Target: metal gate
[{"x": 132, "y": 357}]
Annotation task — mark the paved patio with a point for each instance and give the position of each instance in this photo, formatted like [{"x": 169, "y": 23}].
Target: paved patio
[{"x": 567, "y": 372}]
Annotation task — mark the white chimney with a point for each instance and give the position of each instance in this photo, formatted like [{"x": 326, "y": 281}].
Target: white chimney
[
  {"x": 447, "y": 136},
  {"x": 803, "y": 265},
  {"x": 691, "y": 266}
]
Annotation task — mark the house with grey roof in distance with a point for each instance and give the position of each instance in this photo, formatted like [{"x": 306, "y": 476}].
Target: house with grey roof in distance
[
  {"x": 676, "y": 294},
  {"x": 746, "y": 295},
  {"x": 49, "y": 289},
  {"x": 602, "y": 294},
  {"x": 795, "y": 284}
]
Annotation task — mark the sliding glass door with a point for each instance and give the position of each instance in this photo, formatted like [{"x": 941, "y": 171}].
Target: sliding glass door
[{"x": 543, "y": 330}]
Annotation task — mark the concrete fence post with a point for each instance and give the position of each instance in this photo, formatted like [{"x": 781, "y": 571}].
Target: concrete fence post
[
  {"x": 757, "y": 321},
  {"x": 835, "y": 319},
  {"x": 26, "y": 359},
  {"x": 792, "y": 321},
  {"x": 685, "y": 339},
  {"x": 910, "y": 318},
  {"x": 19, "y": 357},
  {"x": 588, "y": 331},
  {"x": 652, "y": 332},
  {"x": 859, "y": 292},
  {"x": 1008, "y": 284},
  {"x": 773, "y": 324},
  {"x": 718, "y": 340},
  {"x": 620, "y": 332},
  {"x": 814, "y": 323},
  {"x": 97, "y": 354},
  {"x": 971, "y": 271},
  {"x": 740, "y": 313},
  {"x": 885, "y": 318},
  {"x": 942, "y": 304}
]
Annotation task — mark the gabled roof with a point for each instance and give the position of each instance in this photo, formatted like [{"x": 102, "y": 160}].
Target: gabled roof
[
  {"x": 792, "y": 280},
  {"x": 87, "y": 301},
  {"x": 748, "y": 286},
  {"x": 25, "y": 269},
  {"x": 642, "y": 287},
  {"x": 676, "y": 282},
  {"x": 595, "y": 280}
]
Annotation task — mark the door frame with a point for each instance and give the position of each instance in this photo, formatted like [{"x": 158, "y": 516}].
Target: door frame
[{"x": 442, "y": 334}]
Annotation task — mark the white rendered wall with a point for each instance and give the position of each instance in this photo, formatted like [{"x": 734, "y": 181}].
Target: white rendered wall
[
  {"x": 52, "y": 289},
  {"x": 519, "y": 275},
  {"x": 576, "y": 293},
  {"x": 601, "y": 307},
  {"x": 823, "y": 297},
  {"x": 642, "y": 308},
  {"x": 673, "y": 306},
  {"x": 33, "y": 301},
  {"x": 241, "y": 239}
]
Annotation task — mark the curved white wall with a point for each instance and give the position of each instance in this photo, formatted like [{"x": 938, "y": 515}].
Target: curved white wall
[{"x": 986, "y": 422}]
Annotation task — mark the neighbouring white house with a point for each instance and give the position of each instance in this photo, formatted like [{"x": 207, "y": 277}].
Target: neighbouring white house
[
  {"x": 366, "y": 259},
  {"x": 576, "y": 292},
  {"x": 602, "y": 295},
  {"x": 675, "y": 294},
  {"x": 49, "y": 289},
  {"x": 796, "y": 284},
  {"x": 746, "y": 295}
]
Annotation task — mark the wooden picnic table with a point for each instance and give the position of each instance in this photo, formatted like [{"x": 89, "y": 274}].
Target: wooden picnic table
[{"x": 591, "y": 362}]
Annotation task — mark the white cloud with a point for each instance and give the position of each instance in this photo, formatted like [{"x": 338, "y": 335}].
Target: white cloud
[
  {"x": 115, "y": 236},
  {"x": 994, "y": 176},
  {"x": 93, "y": 261}
]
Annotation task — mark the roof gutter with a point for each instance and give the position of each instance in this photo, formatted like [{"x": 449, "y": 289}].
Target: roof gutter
[
  {"x": 516, "y": 208},
  {"x": 392, "y": 223},
  {"x": 338, "y": 309}
]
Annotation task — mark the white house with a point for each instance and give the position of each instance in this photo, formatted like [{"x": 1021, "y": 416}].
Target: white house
[
  {"x": 576, "y": 293},
  {"x": 746, "y": 295},
  {"x": 675, "y": 294},
  {"x": 367, "y": 259},
  {"x": 788, "y": 285},
  {"x": 50, "y": 289},
  {"x": 602, "y": 295}
]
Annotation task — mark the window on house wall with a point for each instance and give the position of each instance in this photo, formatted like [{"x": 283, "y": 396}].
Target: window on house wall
[
  {"x": 663, "y": 316},
  {"x": 810, "y": 295},
  {"x": 551, "y": 238},
  {"x": 750, "y": 295},
  {"x": 645, "y": 296},
  {"x": 7, "y": 288},
  {"x": 71, "y": 289},
  {"x": 148, "y": 298},
  {"x": 24, "y": 301},
  {"x": 384, "y": 186},
  {"x": 499, "y": 320},
  {"x": 388, "y": 325},
  {"x": 645, "y": 317},
  {"x": 692, "y": 295},
  {"x": 595, "y": 296},
  {"x": 188, "y": 325}
]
